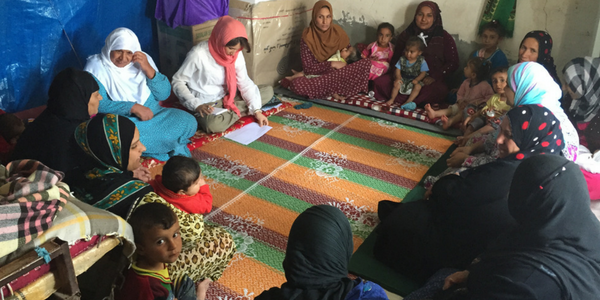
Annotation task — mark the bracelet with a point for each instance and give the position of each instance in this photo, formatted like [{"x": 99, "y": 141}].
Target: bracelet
[{"x": 258, "y": 111}]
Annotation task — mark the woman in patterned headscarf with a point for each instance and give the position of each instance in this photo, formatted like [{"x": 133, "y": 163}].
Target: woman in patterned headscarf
[
  {"x": 583, "y": 102},
  {"x": 551, "y": 253},
  {"x": 113, "y": 145},
  {"x": 468, "y": 210},
  {"x": 440, "y": 53},
  {"x": 530, "y": 83},
  {"x": 537, "y": 46}
]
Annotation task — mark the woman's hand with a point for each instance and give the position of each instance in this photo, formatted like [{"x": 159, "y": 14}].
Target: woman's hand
[
  {"x": 205, "y": 109},
  {"x": 142, "y": 173},
  {"x": 465, "y": 149},
  {"x": 142, "y": 112},
  {"x": 458, "y": 157},
  {"x": 338, "y": 64},
  {"x": 140, "y": 58},
  {"x": 261, "y": 119},
  {"x": 428, "y": 193},
  {"x": 456, "y": 278},
  {"x": 428, "y": 80}
]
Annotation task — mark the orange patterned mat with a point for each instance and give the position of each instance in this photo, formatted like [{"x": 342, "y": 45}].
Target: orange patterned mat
[{"x": 313, "y": 156}]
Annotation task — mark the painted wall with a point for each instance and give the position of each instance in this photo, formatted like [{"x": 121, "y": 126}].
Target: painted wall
[{"x": 573, "y": 24}]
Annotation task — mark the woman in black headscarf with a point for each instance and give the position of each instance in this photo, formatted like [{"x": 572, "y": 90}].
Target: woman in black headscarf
[
  {"x": 112, "y": 144},
  {"x": 537, "y": 46},
  {"x": 316, "y": 260},
  {"x": 72, "y": 98},
  {"x": 467, "y": 210},
  {"x": 553, "y": 252}
]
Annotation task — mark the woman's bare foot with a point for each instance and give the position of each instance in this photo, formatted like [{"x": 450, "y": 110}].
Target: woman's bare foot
[
  {"x": 338, "y": 97},
  {"x": 445, "y": 122},
  {"x": 430, "y": 112},
  {"x": 202, "y": 288},
  {"x": 390, "y": 102},
  {"x": 296, "y": 75}
]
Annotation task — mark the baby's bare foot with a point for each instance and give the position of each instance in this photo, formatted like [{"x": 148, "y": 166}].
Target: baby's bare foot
[
  {"x": 445, "y": 122},
  {"x": 430, "y": 111},
  {"x": 338, "y": 97}
]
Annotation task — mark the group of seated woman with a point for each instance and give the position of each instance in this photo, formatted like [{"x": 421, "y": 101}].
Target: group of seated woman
[
  {"x": 516, "y": 217},
  {"x": 469, "y": 209},
  {"x": 99, "y": 122}
]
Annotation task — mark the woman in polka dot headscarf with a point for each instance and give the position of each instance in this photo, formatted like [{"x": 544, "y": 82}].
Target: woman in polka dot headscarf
[
  {"x": 465, "y": 210},
  {"x": 529, "y": 130},
  {"x": 530, "y": 83},
  {"x": 537, "y": 46}
]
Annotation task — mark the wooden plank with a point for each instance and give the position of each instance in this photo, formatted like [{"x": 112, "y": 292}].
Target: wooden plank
[{"x": 27, "y": 262}]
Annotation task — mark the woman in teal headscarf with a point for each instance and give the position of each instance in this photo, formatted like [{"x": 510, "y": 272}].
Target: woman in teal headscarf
[
  {"x": 112, "y": 148},
  {"x": 530, "y": 83}
]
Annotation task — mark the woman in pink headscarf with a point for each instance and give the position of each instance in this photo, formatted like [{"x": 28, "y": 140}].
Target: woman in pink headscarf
[{"x": 211, "y": 75}]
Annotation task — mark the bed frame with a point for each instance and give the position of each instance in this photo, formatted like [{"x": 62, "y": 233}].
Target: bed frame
[{"x": 61, "y": 281}]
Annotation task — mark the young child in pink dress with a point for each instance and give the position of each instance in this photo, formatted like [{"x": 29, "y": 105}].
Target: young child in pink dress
[
  {"x": 473, "y": 92},
  {"x": 381, "y": 51}
]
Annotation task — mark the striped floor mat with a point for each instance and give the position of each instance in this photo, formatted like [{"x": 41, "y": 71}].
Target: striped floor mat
[{"x": 314, "y": 156}]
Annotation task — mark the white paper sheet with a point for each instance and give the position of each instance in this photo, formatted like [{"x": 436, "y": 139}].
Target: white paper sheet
[
  {"x": 248, "y": 133},
  {"x": 218, "y": 110}
]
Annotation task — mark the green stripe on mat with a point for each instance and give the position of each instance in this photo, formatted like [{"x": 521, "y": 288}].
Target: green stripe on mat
[
  {"x": 345, "y": 174},
  {"x": 384, "y": 149},
  {"x": 259, "y": 191},
  {"x": 387, "y": 150},
  {"x": 411, "y": 128},
  {"x": 267, "y": 255},
  {"x": 364, "y": 264},
  {"x": 260, "y": 252}
]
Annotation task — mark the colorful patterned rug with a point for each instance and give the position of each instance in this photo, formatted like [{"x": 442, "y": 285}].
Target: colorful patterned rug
[{"x": 314, "y": 156}]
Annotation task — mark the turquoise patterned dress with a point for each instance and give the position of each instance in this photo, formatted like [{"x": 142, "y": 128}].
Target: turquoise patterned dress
[{"x": 168, "y": 132}]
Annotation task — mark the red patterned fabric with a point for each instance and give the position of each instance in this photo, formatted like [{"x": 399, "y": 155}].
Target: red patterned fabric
[
  {"x": 362, "y": 100},
  {"x": 347, "y": 81},
  {"x": 593, "y": 183},
  {"x": 310, "y": 65}
]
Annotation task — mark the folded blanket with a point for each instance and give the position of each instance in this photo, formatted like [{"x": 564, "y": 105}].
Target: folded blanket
[{"x": 31, "y": 195}]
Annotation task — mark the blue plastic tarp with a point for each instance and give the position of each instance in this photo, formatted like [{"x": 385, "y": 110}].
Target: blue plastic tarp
[
  {"x": 190, "y": 12},
  {"x": 39, "y": 38}
]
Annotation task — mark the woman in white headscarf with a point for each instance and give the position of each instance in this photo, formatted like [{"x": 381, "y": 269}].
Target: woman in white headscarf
[{"x": 130, "y": 80}]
